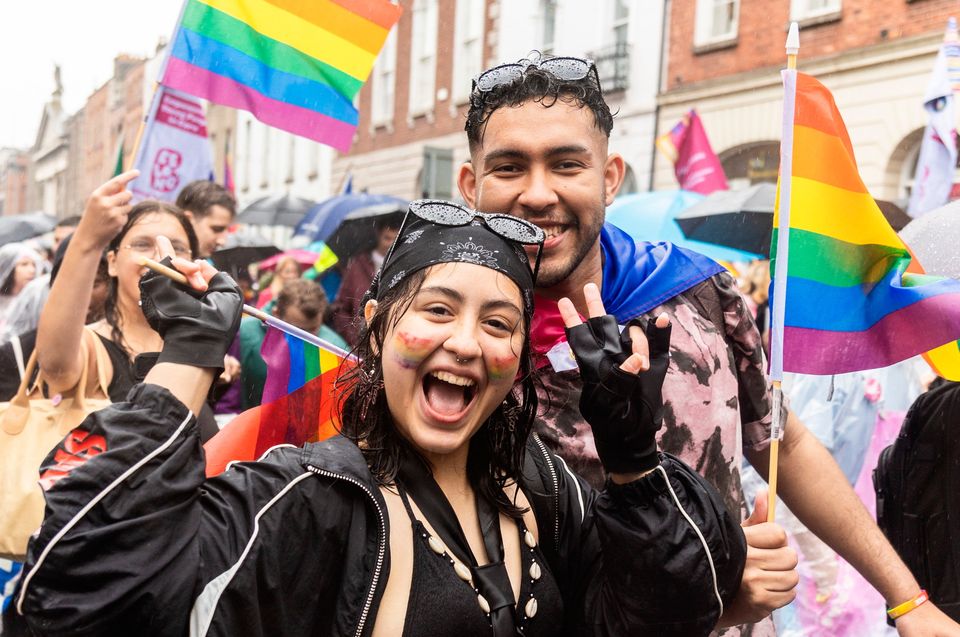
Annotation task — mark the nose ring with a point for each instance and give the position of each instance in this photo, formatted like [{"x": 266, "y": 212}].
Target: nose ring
[{"x": 461, "y": 361}]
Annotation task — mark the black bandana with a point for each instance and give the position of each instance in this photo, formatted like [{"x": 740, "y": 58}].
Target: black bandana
[{"x": 423, "y": 244}]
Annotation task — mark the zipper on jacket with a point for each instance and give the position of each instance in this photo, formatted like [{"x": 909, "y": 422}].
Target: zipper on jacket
[
  {"x": 382, "y": 541},
  {"x": 556, "y": 491}
]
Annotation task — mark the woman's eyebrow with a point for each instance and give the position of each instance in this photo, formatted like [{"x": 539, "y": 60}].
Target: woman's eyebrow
[{"x": 455, "y": 295}]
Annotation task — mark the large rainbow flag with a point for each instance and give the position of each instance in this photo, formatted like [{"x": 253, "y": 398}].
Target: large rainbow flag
[
  {"x": 299, "y": 402},
  {"x": 293, "y": 64},
  {"x": 855, "y": 297}
]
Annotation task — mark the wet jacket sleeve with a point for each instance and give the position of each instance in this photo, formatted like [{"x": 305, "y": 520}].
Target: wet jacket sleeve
[
  {"x": 136, "y": 542},
  {"x": 658, "y": 556}
]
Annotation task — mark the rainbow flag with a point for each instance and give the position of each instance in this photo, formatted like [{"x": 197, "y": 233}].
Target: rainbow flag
[
  {"x": 853, "y": 296},
  {"x": 294, "y": 65},
  {"x": 299, "y": 402}
]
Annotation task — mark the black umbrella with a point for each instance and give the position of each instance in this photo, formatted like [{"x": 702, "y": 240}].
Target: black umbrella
[
  {"x": 934, "y": 239},
  {"x": 25, "y": 226},
  {"x": 741, "y": 219},
  {"x": 275, "y": 210},
  {"x": 241, "y": 256},
  {"x": 357, "y": 231}
]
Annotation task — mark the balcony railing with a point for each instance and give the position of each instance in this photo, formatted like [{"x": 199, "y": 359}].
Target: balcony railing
[{"x": 613, "y": 67}]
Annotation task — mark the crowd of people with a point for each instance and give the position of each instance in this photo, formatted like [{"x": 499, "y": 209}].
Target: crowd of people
[{"x": 545, "y": 433}]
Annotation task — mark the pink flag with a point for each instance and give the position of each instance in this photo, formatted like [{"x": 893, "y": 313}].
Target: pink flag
[
  {"x": 174, "y": 150},
  {"x": 696, "y": 165}
]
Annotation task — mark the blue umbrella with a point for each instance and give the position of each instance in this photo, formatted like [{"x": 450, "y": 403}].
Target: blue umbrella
[
  {"x": 651, "y": 216},
  {"x": 323, "y": 219}
]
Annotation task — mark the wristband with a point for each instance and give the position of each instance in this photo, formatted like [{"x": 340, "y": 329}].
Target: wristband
[{"x": 904, "y": 608}]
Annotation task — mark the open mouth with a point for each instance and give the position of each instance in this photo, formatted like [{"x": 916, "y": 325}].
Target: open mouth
[{"x": 448, "y": 395}]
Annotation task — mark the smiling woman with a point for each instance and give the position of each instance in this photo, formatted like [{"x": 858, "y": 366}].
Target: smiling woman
[{"x": 435, "y": 513}]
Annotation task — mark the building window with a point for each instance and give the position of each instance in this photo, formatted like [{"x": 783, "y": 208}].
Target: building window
[
  {"x": 621, "y": 21},
  {"x": 468, "y": 47},
  {"x": 291, "y": 157},
  {"x": 248, "y": 144},
  {"x": 717, "y": 21},
  {"x": 613, "y": 62},
  {"x": 549, "y": 10},
  {"x": 423, "y": 57},
  {"x": 384, "y": 81},
  {"x": 265, "y": 156},
  {"x": 808, "y": 9},
  {"x": 436, "y": 176}
]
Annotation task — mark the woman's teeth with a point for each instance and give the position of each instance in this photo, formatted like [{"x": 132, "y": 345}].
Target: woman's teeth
[{"x": 453, "y": 379}]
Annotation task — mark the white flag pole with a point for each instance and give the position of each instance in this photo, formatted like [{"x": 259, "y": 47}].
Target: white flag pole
[{"x": 783, "y": 247}]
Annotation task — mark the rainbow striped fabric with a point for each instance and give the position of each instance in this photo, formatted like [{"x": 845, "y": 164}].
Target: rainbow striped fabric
[
  {"x": 299, "y": 402},
  {"x": 294, "y": 65},
  {"x": 855, "y": 298}
]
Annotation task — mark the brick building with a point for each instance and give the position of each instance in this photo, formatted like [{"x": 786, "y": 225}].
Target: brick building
[
  {"x": 111, "y": 116},
  {"x": 412, "y": 109},
  {"x": 410, "y": 140},
  {"x": 14, "y": 169},
  {"x": 723, "y": 58}
]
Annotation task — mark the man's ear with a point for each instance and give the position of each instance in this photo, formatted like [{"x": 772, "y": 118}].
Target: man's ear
[
  {"x": 189, "y": 215},
  {"x": 467, "y": 183},
  {"x": 614, "y": 170}
]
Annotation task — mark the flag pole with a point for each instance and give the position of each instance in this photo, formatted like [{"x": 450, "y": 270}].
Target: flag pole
[
  {"x": 780, "y": 275},
  {"x": 155, "y": 95}
]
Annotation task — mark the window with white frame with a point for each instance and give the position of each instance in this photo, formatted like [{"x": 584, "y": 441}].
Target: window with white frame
[
  {"x": 804, "y": 9},
  {"x": 717, "y": 21},
  {"x": 468, "y": 47},
  {"x": 548, "y": 9},
  {"x": 423, "y": 56},
  {"x": 384, "y": 81},
  {"x": 621, "y": 22}
]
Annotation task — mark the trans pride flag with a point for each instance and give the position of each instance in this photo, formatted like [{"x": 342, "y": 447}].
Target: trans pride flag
[
  {"x": 851, "y": 296},
  {"x": 294, "y": 65},
  {"x": 299, "y": 402}
]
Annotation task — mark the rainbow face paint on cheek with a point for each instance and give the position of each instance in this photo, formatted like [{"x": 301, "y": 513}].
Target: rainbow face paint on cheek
[
  {"x": 502, "y": 367},
  {"x": 410, "y": 350}
]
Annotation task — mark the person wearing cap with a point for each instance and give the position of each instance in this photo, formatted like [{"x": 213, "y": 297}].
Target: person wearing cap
[
  {"x": 435, "y": 513},
  {"x": 538, "y": 131}
]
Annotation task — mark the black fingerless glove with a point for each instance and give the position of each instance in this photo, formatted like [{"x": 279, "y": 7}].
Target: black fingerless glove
[
  {"x": 625, "y": 410},
  {"x": 197, "y": 327}
]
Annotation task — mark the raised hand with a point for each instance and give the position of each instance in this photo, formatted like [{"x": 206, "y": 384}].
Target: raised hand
[
  {"x": 621, "y": 396},
  {"x": 197, "y": 323},
  {"x": 106, "y": 212}
]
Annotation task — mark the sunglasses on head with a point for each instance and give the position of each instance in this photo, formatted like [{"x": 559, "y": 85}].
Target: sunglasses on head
[
  {"x": 568, "y": 69},
  {"x": 446, "y": 213}
]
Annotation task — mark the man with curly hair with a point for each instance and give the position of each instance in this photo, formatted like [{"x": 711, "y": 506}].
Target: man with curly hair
[{"x": 538, "y": 132}]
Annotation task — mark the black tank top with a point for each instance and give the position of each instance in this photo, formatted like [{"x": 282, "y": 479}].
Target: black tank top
[
  {"x": 442, "y": 604},
  {"x": 125, "y": 377}
]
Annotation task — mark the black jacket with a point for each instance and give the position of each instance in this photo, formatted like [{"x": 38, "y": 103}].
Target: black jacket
[{"x": 137, "y": 542}]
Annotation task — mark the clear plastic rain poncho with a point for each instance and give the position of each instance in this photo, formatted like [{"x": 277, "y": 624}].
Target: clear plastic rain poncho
[{"x": 10, "y": 255}]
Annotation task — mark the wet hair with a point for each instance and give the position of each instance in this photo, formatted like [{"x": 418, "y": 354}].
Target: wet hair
[
  {"x": 147, "y": 207},
  {"x": 201, "y": 195},
  {"x": 496, "y": 449},
  {"x": 305, "y": 295},
  {"x": 541, "y": 86}
]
